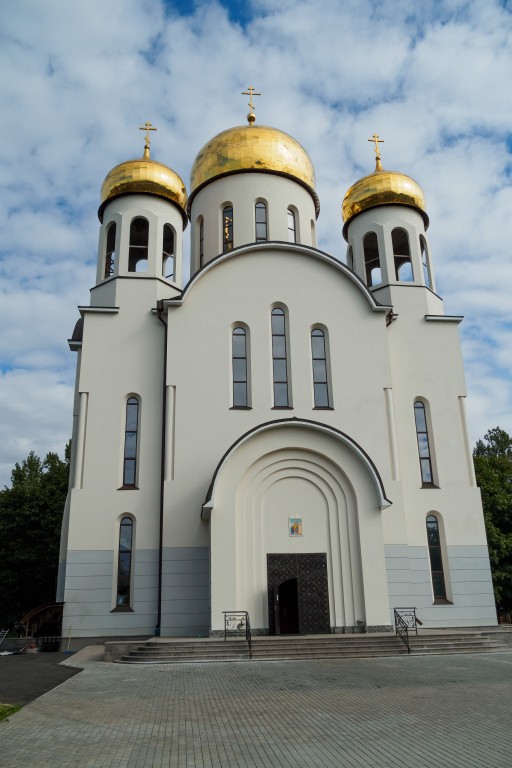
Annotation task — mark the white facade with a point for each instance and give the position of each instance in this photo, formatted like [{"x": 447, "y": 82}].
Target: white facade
[{"x": 215, "y": 482}]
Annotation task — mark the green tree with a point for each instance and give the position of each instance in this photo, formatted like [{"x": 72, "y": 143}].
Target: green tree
[
  {"x": 30, "y": 521},
  {"x": 493, "y": 466}
]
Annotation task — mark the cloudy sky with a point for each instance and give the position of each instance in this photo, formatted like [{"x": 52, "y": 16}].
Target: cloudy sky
[{"x": 79, "y": 78}]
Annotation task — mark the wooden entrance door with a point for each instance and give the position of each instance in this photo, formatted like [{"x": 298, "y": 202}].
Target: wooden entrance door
[{"x": 298, "y": 594}]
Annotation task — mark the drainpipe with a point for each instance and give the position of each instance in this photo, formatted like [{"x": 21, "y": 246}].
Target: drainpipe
[{"x": 160, "y": 311}]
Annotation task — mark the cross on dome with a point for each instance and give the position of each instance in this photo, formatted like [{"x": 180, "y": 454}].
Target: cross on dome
[
  {"x": 147, "y": 127},
  {"x": 376, "y": 140},
  {"x": 251, "y": 117}
]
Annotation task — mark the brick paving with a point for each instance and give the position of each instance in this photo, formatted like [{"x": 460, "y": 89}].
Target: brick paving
[{"x": 402, "y": 712}]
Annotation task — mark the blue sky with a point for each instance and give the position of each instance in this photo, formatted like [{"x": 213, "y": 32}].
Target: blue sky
[{"x": 432, "y": 78}]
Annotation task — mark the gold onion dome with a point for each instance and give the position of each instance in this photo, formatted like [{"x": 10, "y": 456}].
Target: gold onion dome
[
  {"x": 253, "y": 148},
  {"x": 144, "y": 176},
  {"x": 382, "y": 188}
]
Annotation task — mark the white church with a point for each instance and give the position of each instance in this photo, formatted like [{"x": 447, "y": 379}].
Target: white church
[{"x": 284, "y": 434}]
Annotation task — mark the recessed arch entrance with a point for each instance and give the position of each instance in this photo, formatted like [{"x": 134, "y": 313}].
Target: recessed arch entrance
[{"x": 293, "y": 471}]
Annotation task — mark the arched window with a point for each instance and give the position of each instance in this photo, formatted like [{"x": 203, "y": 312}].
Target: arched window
[
  {"x": 292, "y": 226},
  {"x": 425, "y": 262},
  {"x": 124, "y": 563},
  {"x": 227, "y": 228},
  {"x": 402, "y": 255},
  {"x": 425, "y": 456},
  {"x": 260, "y": 214},
  {"x": 201, "y": 242},
  {"x": 110, "y": 250},
  {"x": 279, "y": 359},
  {"x": 371, "y": 259},
  {"x": 436, "y": 558},
  {"x": 320, "y": 378},
  {"x": 239, "y": 367},
  {"x": 168, "y": 252},
  {"x": 350, "y": 258},
  {"x": 131, "y": 432},
  {"x": 138, "y": 251}
]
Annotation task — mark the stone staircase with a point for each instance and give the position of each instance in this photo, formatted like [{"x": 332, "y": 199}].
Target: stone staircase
[{"x": 286, "y": 647}]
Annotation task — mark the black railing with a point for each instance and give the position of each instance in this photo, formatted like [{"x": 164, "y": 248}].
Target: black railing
[
  {"x": 237, "y": 624},
  {"x": 406, "y": 621}
]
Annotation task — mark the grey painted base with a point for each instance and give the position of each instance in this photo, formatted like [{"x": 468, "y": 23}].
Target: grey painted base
[
  {"x": 468, "y": 586},
  {"x": 91, "y": 589}
]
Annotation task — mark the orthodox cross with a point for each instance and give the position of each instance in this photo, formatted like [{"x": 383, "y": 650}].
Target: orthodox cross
[
  {"x": 376, "y": 141},
  {"x": 147, "y": 127},
  {"x": 251, "y": 117},
  {"x": 250, "y": 92}
]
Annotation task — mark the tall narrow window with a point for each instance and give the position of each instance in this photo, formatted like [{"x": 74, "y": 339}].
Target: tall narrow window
[
  {"x": 227, "y": 228},
  {"x": 420, "y": 417},
  {"x": 168, "y": 253},
  {"x": 279, "y": 359},
  {"x": 131, "y": 432},
  {"x": 201, "y": 242},
  {"x": 402, "y": 255},
  {"x": 124, "y": 564},
  {"x": 260, "y": 214},
  {"x": 292, "y": 226},
  {"x": 425, "y": 262},
  {"x": 371, "y": 259},
  {"x": 319, "y": 358},
  {"x": 350, "y": 258},
  {"x": 239, "y": 365},
  {"x": 313, "y": 234},
  {"x": 110, "y": 250},
  {"x": 138, "y": 250},
  {"x": 436, "y": 558}
]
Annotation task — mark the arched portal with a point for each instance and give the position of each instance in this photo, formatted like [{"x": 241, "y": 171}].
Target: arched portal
[{"x": 284, "y": 500}]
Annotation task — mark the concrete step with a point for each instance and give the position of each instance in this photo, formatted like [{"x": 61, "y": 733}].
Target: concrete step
[{"x": 176, "y": 651}]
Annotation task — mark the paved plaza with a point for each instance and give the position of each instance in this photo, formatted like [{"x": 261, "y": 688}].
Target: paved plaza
[{"x": 400, "y": 712}]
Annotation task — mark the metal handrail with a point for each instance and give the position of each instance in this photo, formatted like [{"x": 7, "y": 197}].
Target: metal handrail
[
  {"x": 238, "y": 623},
  {"x": 405, "y": 620}
]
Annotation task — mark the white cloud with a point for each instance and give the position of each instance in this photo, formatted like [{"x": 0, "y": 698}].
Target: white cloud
[{"x": 432, "y": 78}]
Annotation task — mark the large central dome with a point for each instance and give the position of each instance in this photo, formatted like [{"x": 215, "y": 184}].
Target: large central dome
[{"x": 253, "y": 148}]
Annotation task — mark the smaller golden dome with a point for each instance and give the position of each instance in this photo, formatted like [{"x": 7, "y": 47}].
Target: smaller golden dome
[
  {"x": 253, "y": 148},
  {"x": 144, "y": 176},
  {"x": 382, "y": 188}
]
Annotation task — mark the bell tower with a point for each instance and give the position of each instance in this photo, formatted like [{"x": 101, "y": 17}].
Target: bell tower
[
  {"x": 385, "y": 225},
  {"x": 142, "y": 216}
]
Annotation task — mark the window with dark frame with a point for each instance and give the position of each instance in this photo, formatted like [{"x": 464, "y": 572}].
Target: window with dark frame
[
  {"x": 292, "y": 226},
  {"x": 239, "y": 366},
  {"x": 436, "y": 558},
  {"x": 372, "y": 268},
  {"x": 201, "y": 242},
  {"x": 420, "y": 418},
  {"x": 168, "y": 252},
  {"x": 130, "y": 443},
  {"x": 124, "y": 564},
  {"x": 279, "y": 359},
  {"x": 110, "y": 250},
  {"x": 138, "y": 249},
  {"x": 260, "y": 214},
  {"x": 402, "y": 255},
  {"x": 319, "y": 360},
  {"x": 227, "y": 228},
  {"x": 350, "y": 258},
  {"x": 424, "y": 261}
]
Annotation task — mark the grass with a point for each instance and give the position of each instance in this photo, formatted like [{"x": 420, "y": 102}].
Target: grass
[{"x": 8, "y": 709}]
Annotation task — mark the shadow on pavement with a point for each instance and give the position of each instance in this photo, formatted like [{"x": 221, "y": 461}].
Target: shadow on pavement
[{"x": 24, "y": 678}]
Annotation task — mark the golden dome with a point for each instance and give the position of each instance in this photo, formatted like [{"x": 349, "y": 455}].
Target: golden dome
[
  {"x": 146, "y": 176},
  {"x": 382, "y": 188},
  {"x": 253, "y": 148}
]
